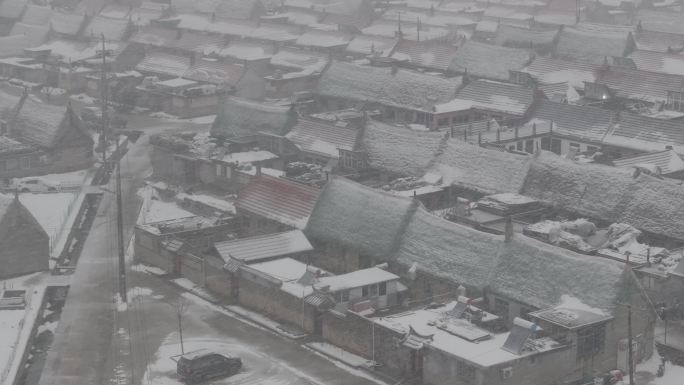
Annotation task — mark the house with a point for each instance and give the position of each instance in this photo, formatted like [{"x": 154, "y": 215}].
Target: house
[
  {"x": 238, "y": 9},
  {"x": 549, "y": 71},
  {"x": 633, "y": 134},
  {"x": 268, "y": 204},
  {"x": 239, "y": 117},
  {"x": 362, "y": 46},
  {"x": 321, "y": 142},
  {"x": 663, "y": 62},
  {"x": 666, "y": 163},
  {"x": 402, "y": 96},
  {"x": 298, "y": 294},
  {"x": 659, "y": 21},
  {"x": 507, "y": 103},
  {"x": 295, "y": 71},
  {"x": 542, "y": 41},
  {"x": 426, "y": 55},
  {"x": 488, "y": 61},
  {"x": 658, "y": 41},
  {"x": 112, "y": 28},
  {"x": 57, "y": 137},
  {"x": 592, "y": 43},
  {"x": 267, "y": 247},
  {"x": 25, "y": 244}
]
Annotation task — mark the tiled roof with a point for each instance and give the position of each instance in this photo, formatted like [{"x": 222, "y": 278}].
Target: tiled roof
[
  {"x": 44, "y": 124},
  {"x": 489, "y": 61},
  {"x": 409, "y": 30},
  {"x": 164, "y": 64},
  {"x": 474, "y": 168},
  {"x": 67, "y": 23},
  {"x": 12, "y": 9},
  {"x": 667, "y": 161},
  {"x": 262, "y": 247},
  {"x": 495, "y": 96},
  {"x": 429, "y": 55},
  {"x": 358, "y": 217},
  {"x": 646, "y": 134},
  {"x": 323, "y": 39},
  {"x": 658, "y": 62},
  {"x": 403, "y": 89},
  {"x": 581, "y": 122},
  {"x": 240, "y": 117},
  {"x": 278, "y": 199},
  {"x": 550, "y": 71},
  {"x": 113, "y": 29},
  {"x": 322, "y": 138},
  {"x": 36, "y": 15},
  {"x": 639, "y": 85},
  {"x": 517, "y": 37},
  {"x": 215, "y": 72},
  {"x": 308, "y": 62},
  {"x": 9, "y": 145},
  {"x": 660, "y": 21},
  {"x": 154, "y": 36},
  {"x": 399, "y": 149},
  {"x": 379, "y": 45},
  {"x": 198, "y": 42},
  {"x": 658, "y": 41},
  {"x": 590, "y": 43}
]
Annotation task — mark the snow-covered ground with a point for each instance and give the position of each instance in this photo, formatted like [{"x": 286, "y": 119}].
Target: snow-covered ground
[
  {"x": 645, "y": 373},
  {"x": 52, "y": 211}
]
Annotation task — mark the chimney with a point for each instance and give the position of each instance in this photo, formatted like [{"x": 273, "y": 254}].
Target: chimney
[
  {"x": 508, "y": 231},
  {"x": 258, "y": 170}
]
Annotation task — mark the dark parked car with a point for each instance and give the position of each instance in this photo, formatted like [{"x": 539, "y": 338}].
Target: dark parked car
[{"x": 199, "y": 367}]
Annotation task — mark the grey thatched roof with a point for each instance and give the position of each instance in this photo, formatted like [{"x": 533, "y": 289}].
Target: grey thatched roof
[
  {"x": 240, "y": 117},
  {"x": 358, "y": 217},
  {"x": 402, "y": 89}
]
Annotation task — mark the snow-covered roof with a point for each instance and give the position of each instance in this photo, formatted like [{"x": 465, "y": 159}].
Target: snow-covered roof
[
  {"x": 142, "y": 16},
  {"x": 367, "y": 45},
  {"x": 660, "y": 21},
  {"x": 409, "y": 30},
  {"x": 275, "y": 33},
  {"x": 667, "y": 161},
  {"x": 438, "y": 19},
  {"x": 591, "y": 43},
  {"x": 278, "y": 199},
  {"x": 348, "y": 7},
  {"x": 400, "y": 150},
  {"x": 354, "y": 279},
  {"x": 243, "y": 50},
  {"x": 429, "y": 55},
  {"x": 12, "y": 9},
  {"x": 112, "y": 29},
  {"x": 164, "y": 64},
  {"x": 262, "y": 247},
  {"x": 550, "y": 71},
  {"x": 658, "y": 62},
  {"x": 248, "y": 157},
  {"x": 357, "y": 217},
  {"x": 578, "y": 122},
  {"x": 115, "y": 11},
  {"x": 402, "y": 89},
  {"x": 45, "y": 124},
  {"x": 215, "y": 72},
  {"x": 240, "y": 117},
  {"x": 518, "y": 37},
  {"x": 322, "y": 138},
  {"x": 489, "y": 61},
  {"x": 202, "y": 23},
  {"x": 67, "y": 23},
  {"x": 647, "y": 134},
  {"x": 323, "y": 39},
  {"x": 474, "y": 168},
  {"x": 501, "y": 97},
  {"x": 639, "y": 85},
  {"x": 306, "y": 62},
  {"x": 36, "y": 15},
  {"x": 658, "y": 41},
  {"x": 13, "y": 45},
  {"x": 154, "y": 36}
]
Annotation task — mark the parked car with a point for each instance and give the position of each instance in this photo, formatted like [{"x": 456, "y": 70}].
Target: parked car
[
  {"x": 36, "y": 185},
  {"x": 202, "y": 366}
]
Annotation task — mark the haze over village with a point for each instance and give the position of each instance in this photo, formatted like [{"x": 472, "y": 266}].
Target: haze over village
[{"x": 342, "y": 192}]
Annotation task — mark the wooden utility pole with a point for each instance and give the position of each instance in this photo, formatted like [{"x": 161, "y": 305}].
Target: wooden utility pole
[
  {"x": 103, "y": 104},
  {"x": 119, "y": 226},
  {"x": 630, "y": 351}
]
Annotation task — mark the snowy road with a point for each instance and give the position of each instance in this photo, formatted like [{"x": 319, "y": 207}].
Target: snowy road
[{"x": 96, "y": 344}]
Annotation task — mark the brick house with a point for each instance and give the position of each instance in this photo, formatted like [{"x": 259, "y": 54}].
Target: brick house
[{"x": 25, "y": 244}]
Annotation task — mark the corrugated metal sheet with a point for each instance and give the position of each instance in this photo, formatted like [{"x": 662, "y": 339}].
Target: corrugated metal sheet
[{"x": 263, "y": 247}]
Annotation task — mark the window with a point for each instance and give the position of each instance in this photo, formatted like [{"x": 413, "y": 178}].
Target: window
[
  {"x": 545, "y": 143},
  {"x": 675, "y": 100},
  {"x": 556, "y": 146},
  {"x": 519, "y": 146},
  {"x": 344, "y": 295},
  {"x": 443, "y": 122},
  {"x": 465, "y": 371},
  {"x": 591, "y": 341},
  {"x": 382, "y": 288},
  {"x": 373, "y": 290},
  {"x": 25, "y": 162},
  {"x": 529, "y": 146},
  {"x": 364, "y": 291}
]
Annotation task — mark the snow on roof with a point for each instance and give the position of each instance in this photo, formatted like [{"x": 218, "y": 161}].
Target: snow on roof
[
  {"x": 240, "y": 117},
  {"x": 494, "y": 96},
  {"x": 642, "y": 133},
  {"x": 639, "y": 85},
  {"x": 13, "y": 45},
  {"x": 35, "y": 34},
  {"x": 215, "y": 72},
  {"x": 322, "y": 138},
  {"x": 67, "y": 23},
  {"x": 43, "y": 124},
  {"x": 489, "y": 61},
  {"x": 176, "y": 82},
  {"x": 431, "y": 55},
  {"x": 409, "y": 30},
  {"x": 354, "y": 279},
  {"x": 12, "y": 9},
  {"x": 220, "y": 204},
  {"x": 475, "y": 168},
  {"x": 164, "y": 64},
  {"x": 403, "y": 89},
  {"x": 154, "y": 35},
  {"x": 9, "y": 146},
  {"x": 308, "y": 62},
  {"x": 658, "y": 41},
  {"x": 248, "y": 157},
  {"x": 572, "y": 313},
  {"x": 284, "y": 269},
  {"x": 239, "y": 28},
  {"x": 203, "y": 43},
  {"x": 358, "y": 217},
  {"x": 658, "y": 62},
  {"x": 377, "y": 45},
  {"x": 579, "y": 122},
  {"x": 115, "y": 11},
  {"x": 667, "y": 161},
  {"x": 113, "y": 29},
  {"x": 591, "y": 43},
  {"x": 262, "y": 247},
  {"x": 550, "y": 71},
  {"x": 143, "y": 16},
  {"x": 331, "y": 6},
  {"x": 438, "y": 19},
  {"x": 518, "y": 37},
  {"x": 243, "y": 50},
  {"x": 660, "y": 21},
  {"x": 323, "y": 39},
  {"x": 400, "y": 150},
  {"x": 36, "y": 15},
  {"x": 275, "y": 32},
  {"x": 278, "y": 199}
]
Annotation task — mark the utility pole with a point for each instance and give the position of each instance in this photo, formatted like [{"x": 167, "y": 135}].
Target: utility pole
[
  {"x": 180, "y": 310},
  {"x": 103, "y": 102},
  {"x": 119, "y": 225},
  {"x": 629, "y": 345}
]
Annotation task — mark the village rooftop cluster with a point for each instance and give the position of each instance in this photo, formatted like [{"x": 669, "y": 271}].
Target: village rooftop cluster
[{"x": 451, "y": 191}]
